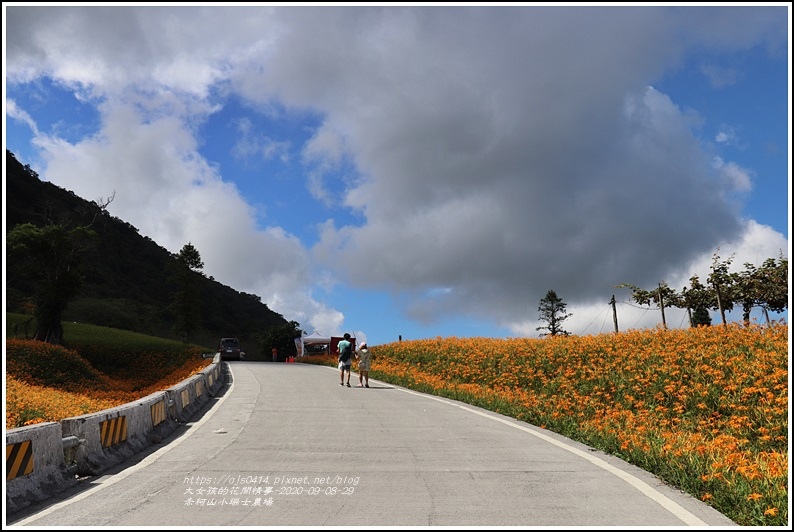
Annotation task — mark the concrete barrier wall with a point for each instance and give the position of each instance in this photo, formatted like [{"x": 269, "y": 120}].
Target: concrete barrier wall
[
  {"x": 187, "y": 397},
  {"x": 45, "y": 459},
  {"x": 111, "y": 436},
  {"x": 213, "y": 377},
  {"x": 35, "y": 465}
]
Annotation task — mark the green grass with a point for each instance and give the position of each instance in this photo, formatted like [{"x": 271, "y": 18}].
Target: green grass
[{"x": 115, "y": 352}]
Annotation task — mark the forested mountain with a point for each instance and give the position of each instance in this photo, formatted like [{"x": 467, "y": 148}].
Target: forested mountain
[{"x": 124, "y": 281}]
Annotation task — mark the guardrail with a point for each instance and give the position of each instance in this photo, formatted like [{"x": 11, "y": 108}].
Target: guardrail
[{"x": 47, "y": 458}]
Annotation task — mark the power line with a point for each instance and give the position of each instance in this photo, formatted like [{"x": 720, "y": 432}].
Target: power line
[
  {"x": 585, "y": 329},
  {"x": 644, "y": 310},
  {"x": 603, "y": 323},
  {"x": 633, "y": 306}
]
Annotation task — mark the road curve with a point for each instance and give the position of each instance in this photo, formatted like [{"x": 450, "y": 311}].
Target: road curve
[{"x": 284, "y": 445}]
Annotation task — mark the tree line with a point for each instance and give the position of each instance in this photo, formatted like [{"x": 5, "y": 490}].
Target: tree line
[{"x": 764, "y": 287}]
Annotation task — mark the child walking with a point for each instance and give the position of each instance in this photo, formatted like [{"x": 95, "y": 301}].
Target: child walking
[{"x": 364, "y": 357}]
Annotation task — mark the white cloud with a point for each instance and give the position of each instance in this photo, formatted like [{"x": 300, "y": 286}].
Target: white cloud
[
  {"x": 726, "y": 136},
  {"x": 262, "y": 147},
  {"x": 720, "y": 77},
  {"x": 497, "y": 153},
  {"x": 737, "y": 177},
  {"x": 14, "y": 112}
]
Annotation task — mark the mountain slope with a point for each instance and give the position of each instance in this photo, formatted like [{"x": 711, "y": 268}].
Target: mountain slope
[{"x": 124, "y": 284}]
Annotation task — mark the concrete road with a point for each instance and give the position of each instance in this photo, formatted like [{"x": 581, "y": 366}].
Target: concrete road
[{"x": 284, "y": 445}]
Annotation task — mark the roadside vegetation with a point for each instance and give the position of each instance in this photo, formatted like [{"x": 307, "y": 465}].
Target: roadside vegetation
[
  {"x": 705, "y": 409},
  {"x": 99, "y": 368}
]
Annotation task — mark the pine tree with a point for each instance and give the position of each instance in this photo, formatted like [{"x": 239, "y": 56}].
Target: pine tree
[
  {"x": 552, "y": 311},
  {"x": 185, "y": 302}
]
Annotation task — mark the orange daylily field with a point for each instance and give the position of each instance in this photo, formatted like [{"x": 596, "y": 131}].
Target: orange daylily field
[
  {"x": 50, "y": 383},
  {"x": 704, "y": 409}
]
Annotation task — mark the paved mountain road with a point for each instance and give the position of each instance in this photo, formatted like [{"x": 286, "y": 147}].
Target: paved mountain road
[{"x": 285, "y": 445}]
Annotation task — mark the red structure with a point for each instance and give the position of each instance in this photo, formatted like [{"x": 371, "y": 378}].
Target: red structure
[{"x": 335, "y": 342}]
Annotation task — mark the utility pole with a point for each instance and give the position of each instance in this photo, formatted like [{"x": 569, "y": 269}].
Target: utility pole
[{"x": 614, "y": 312}]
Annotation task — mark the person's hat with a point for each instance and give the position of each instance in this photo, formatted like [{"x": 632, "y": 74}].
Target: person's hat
[{"x": 364, "y": 345}]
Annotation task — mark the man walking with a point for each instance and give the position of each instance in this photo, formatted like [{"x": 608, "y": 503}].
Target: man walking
[{"x": 345, "y": 359}]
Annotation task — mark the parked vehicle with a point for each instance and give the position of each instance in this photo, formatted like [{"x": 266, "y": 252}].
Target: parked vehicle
[{"x": 230, "y": 349}]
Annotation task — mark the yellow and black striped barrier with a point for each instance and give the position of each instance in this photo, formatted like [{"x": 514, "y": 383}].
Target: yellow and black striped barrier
[
  {"x": 19, "y": 459},
  {"x": 113, "y": 431},
  {"x": 158, "y": 413}
]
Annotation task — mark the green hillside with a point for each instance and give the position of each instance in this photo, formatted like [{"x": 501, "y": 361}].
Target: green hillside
[{"x": 124, "y": 285}]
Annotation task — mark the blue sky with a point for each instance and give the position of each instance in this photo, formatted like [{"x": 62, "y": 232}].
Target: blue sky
[{"x": 420, "y": 171}]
